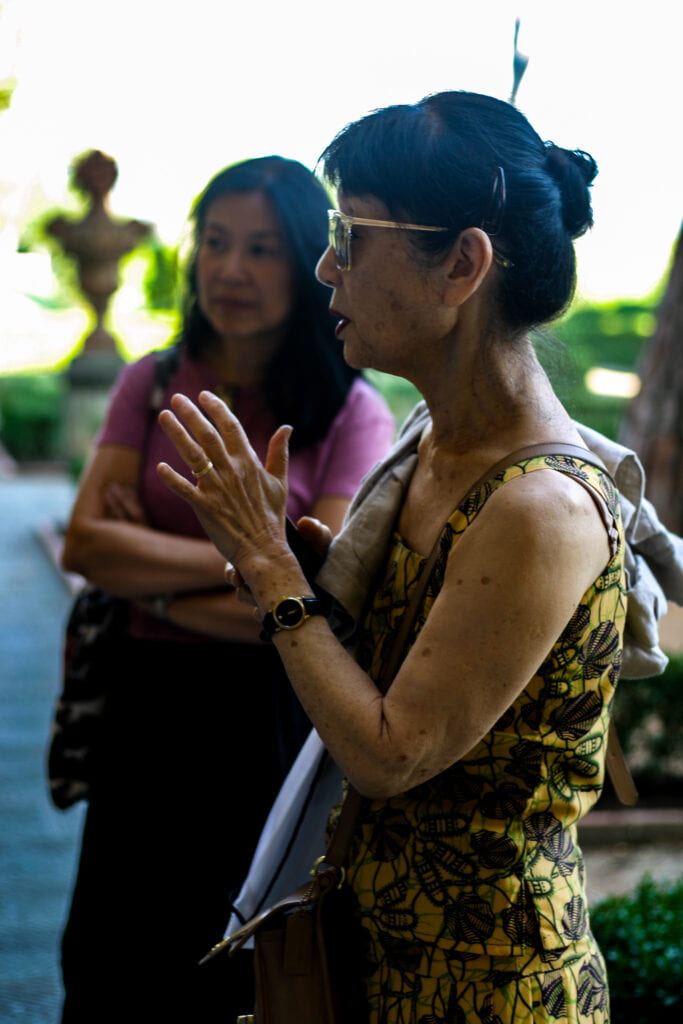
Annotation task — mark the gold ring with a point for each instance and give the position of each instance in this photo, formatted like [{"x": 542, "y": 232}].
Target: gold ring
[{"x": 203, "y": 471}]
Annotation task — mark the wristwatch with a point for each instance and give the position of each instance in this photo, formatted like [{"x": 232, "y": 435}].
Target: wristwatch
[{"x": 290, "y": 613}]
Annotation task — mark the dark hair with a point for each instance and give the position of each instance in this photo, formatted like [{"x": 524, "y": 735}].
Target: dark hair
[
  {"x": 307, "y": 380},
  {"x": 439, "y": 162}
]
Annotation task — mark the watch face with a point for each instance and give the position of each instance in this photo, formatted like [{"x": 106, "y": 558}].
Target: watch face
[{"x": 289, "y": 613}]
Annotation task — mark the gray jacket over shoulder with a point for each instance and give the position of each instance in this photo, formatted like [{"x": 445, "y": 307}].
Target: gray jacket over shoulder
[{"x": 654, "y": 555}]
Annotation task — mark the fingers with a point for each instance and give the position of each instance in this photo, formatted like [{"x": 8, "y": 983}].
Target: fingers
[
  {"x": 176, "y": 483},
  {"x": 194, "y": 437},
  {"x": 233, "y": 576},
  {"x": 226, "y": 424},
  {"x": 315, "y": 533},
  {"x": 122, "y": 502},
  {"x": 239, "y": 502},
  {"x": 113, "y": 504},
  {"x": 245, "y": 596},
  {"x": 277, "y": 456},
  {"x": 204, "y": 435}
]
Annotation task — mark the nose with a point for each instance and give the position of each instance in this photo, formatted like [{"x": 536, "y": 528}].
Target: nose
[
  {"x": 233, "y": 265},
  {"x": 327, "y": 270}
]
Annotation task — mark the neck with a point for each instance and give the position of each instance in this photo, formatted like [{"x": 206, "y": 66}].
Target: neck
[
  {"x": 242, "y": 362},
  {"x": 492, "y": 397}
]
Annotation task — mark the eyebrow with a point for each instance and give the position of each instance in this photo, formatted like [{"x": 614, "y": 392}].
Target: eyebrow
[{"x": 268, "y": 233}]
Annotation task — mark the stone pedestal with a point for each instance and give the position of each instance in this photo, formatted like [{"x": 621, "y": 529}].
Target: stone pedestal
[
  {"x": 89, "y": 379},
  {"x": 96, "y": 243}
]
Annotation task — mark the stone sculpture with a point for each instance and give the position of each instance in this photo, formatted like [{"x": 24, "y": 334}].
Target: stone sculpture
[{"x": 97, "y": 241}]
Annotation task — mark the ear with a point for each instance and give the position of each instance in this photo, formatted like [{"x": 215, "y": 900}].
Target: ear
[{"x": 466, "y": 266}]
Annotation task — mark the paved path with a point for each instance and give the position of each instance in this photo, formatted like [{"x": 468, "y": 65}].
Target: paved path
[{"x": 38, "y": 845}]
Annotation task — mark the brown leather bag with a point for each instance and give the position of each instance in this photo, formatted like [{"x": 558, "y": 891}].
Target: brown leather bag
[
  {"x": 307, "y": 956},
  {"x": 308, "y": 947}
]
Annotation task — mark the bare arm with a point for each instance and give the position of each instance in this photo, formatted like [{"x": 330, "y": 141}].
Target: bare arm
[
  {"x": 130, "y": 558},
  {"x": 232, "y": 615},
  {"x": 108, "y": 542},
  {"x": 330, "y": 511},
  {"x": 512, "y": 583}
]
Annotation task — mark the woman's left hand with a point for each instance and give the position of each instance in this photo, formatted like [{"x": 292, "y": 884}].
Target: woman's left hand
[
  {"x": 122, "y": 502},
  {"x": 239, "y": 502}
]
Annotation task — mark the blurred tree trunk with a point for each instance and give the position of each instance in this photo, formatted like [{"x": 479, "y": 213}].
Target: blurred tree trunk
[{"x": 653, "y": 424}]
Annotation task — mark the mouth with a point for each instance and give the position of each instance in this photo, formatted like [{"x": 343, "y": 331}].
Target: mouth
[
  {"x": 342, "y": 322},
  {"x": 230, "y": 304}
]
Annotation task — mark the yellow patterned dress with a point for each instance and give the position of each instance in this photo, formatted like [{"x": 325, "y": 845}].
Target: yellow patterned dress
[{"x": 471, "y": 886}]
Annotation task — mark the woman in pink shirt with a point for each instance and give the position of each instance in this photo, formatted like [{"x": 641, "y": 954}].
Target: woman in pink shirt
[{"x": 200, "y": 722}]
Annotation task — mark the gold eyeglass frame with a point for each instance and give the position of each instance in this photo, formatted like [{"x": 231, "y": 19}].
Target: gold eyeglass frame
[{"x": 342, "y": 245}]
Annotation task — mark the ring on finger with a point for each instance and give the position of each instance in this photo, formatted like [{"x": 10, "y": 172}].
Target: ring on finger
[{"x": 199, "y": 473}]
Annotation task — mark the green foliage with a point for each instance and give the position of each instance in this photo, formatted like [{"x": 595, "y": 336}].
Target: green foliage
[
  {"x": 648, "y": 714},
  {"x": 610, "y": 335},
  {"x": 161, "y": 279},
  {"x": 7, "y": 87},
  {"x": 399, "y": 394},
  {"x": 31, "y": 415},
  {"x": 641, "y": 938}
]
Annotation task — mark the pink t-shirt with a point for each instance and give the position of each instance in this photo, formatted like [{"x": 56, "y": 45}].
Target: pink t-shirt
[{"x": 360, "y": 435}]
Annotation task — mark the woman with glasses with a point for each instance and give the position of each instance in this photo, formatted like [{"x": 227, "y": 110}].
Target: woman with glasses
[
  {"x": 200, "y": 724},
  {"x": 453, "y": 239}
]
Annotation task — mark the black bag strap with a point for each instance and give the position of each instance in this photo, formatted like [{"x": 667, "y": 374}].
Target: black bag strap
[
  {"x": 165, "y": 365},
  {"x": 619, "y": 772}
]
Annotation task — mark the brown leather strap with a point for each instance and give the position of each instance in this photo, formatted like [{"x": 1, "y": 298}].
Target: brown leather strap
[
  {"x": 617, "y": 766},
  {"x": 575, "y": 451},
  {"x": 619, "y": 772},
  {"x": 618, "y": 769}
]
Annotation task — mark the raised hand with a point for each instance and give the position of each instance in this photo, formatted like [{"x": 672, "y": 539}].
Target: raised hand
[{"x": 239, "y": 502}]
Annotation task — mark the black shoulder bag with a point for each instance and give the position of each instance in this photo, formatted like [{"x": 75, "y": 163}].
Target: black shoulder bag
[{"x": 94, "y": 626}]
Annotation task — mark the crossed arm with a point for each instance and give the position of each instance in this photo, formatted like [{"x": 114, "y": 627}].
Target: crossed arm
[
  {"x": 110, "y": 543},
  {"x": 507, "y": 595}
]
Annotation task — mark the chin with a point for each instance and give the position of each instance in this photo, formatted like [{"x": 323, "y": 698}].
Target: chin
[
  {"x": 357, "y": 355},
  {"x": 354, "y": 361},
  {"x": 362, "y": 358}
]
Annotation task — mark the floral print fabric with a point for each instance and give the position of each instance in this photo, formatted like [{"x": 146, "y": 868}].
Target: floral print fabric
[{"x": 471, "y": 886}]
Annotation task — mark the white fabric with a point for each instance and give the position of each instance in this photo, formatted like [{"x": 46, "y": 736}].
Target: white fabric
[{"x": 313, "y": 786}]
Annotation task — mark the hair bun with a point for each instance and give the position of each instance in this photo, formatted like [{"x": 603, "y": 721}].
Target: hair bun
[{"x": 573, "y": 170}]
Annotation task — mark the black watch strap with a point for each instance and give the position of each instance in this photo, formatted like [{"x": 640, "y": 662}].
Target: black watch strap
[{"x": 289, "y": 613}]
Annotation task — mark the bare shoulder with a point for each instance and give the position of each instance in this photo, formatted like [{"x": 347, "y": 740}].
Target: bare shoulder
[
  {"x": 544, "y": 490},
  {"x": 548, "y": 514},
  {"x": 113, "y": 462}
]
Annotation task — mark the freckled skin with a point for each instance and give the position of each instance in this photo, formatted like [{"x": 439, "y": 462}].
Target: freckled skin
[
  {"x": 427, "y": 653},
  {"x": 386, "y": 311},
  {"x": 485, "y": 580}
]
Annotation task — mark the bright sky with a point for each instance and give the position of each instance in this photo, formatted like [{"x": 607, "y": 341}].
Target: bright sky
[{"x": 175, "y": 91}]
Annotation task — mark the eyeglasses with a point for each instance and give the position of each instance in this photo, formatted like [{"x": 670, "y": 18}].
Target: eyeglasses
[{"x": 340, "y": 225}]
